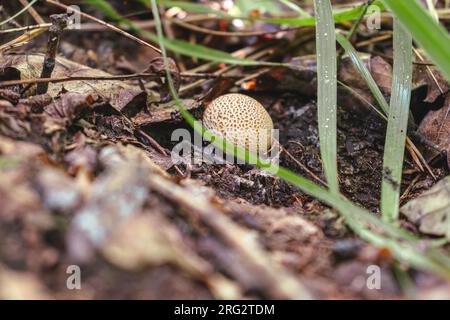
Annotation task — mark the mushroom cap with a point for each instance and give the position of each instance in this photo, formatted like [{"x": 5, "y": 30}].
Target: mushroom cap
[{"x": 241, "y": 120}]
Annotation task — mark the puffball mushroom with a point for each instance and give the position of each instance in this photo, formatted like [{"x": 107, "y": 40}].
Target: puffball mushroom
[{"x": 241, "y": 120}]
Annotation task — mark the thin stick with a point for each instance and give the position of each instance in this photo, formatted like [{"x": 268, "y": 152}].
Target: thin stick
[
  {"x": 36, "y": 16},
  {"x": 110, "y": 78},
  {"x": 108, "y": 25},
  {"x": 360, "y": 18},
  {"x": 59, "y": 22},
  {"x": 429, "y": 70},
  {"x": 410, "y": 186},
  {"x": 26, "y": 37},
  {"x": 27, "y": 28},
  {"x": 312, "y": 174},
  {"x": 373, "y": 40},
  {"x": 18, "y": 13}
]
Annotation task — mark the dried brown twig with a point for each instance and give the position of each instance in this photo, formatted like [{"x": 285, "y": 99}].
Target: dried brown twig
[
  {"x": 36, "y": 16},
  {"x": 59, "y": 22},
  {"x": 108, "y": 25},
  {"x": 142, "y": 75}
]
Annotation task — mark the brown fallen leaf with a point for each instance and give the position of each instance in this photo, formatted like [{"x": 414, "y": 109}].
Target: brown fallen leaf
[
  {"x": 62, "y": 112},
  {"x": 122, "y": 96},
  {"x": 431, "y": 210},
  {"x": 436, "y": 128},
  {"x": 381, "y": 72},
  {"x": 168, "y": 111}
]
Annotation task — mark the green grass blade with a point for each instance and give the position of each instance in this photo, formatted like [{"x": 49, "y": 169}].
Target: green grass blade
[
  {"x": 106, "y": 8},
  {"x": 24, "y": 9},
  {"x": 430, "y": 35},
  {"x": 296, "y": 8},
  {"x": 403, "y": 244},
  {"x": 179, "y": 46},
  {"x": 394, "y": 148},
  {"x": 338, "y": 17},
  {"x": 327, "y": 90},
  {"x": 365, "y": 73},
  {"x": 202, "y": 52},
  {"x": 246, "y": 6},
  {"x": 191, "y": 7}
]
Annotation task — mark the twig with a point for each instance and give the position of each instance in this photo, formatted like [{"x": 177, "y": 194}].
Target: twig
[
  {"x": 8, "y": 83},
  {"x": 433, "y": 77},
  {"x": 312, "y": 174},
  {"x": 373, "y": 40},
  {"x": 221, "y": 72},
  {"x": 410, "y": 186},
  {"x": 108, "y": 25},
  {"x": 26, "y": 37},
  {"x": 27, "y": 28},
  {"x": 36, "y": 16},
  {"x": 59, "y": 22},
  {"x": 152, "y": 141},
  {"x": 429, "y": 70},
  {"x": 18, "y": 13},
  {"x": 361, "y": 17}
]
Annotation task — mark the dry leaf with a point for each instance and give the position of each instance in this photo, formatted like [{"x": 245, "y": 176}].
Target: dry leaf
[{"x": 431, "y": 210}]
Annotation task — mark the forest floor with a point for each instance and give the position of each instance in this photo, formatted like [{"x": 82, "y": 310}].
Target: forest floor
[{"x": 86, "y": 176}]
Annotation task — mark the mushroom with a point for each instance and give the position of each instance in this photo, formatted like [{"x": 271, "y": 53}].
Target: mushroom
[{"x": 241, "y": 120}]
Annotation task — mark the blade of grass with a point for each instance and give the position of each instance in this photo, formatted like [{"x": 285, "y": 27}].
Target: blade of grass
[
  {"x": 24, "y": 9},
  {"x": 179, "y": 46},
  {"x": 339, "y": 17},
  {"x": 376, "y": 92},
  {"x": 327, "y": 90},
  {"x": 403, "y": 244},
  {"x": 432, "y": 10},
  {"x": 430, "y": 35},
  {"x": 360, "y": 66},
  {"x": 396, "y": 134},
  {"x": 394, "y": 148},
  {"x": 202, "y": 52},
  {"x": 191, "y": 7},
  {"x": 263, "y": 6},
  {"x": 296, "y": 8}
]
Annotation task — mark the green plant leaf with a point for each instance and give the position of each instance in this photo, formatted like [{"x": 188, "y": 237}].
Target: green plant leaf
[
  {"x": 394, "y": 147},
  {"x": 179, "y": 46},
  {"x": 24, "y": 9},
  {"x": 361, "y": 67},
  {"x": 296, "y": 8},
  {"x": 430, "y": 35},
  {"x": 106, "y": 8},
  {"x": 190, "y": 7},
  {"x": 327, "y": 90},
  {"x": 338, "y": 17},
  {"x": 246, "y": 6},
  {"x": 202, "y": 52}
]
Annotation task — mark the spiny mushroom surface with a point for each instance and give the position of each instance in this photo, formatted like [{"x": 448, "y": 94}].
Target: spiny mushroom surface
[{"x": 241, "y": 120}]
